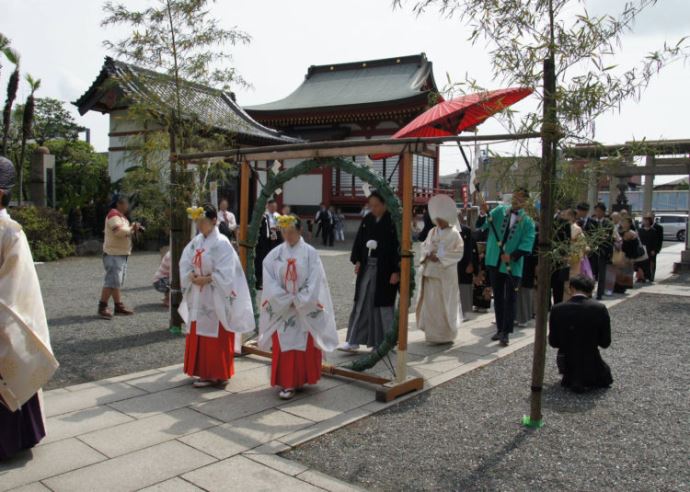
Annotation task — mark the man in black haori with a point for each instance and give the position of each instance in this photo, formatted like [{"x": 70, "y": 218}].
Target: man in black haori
[
  {"x": 376, "y": 256},
  {"x": 269, "y": 237}
]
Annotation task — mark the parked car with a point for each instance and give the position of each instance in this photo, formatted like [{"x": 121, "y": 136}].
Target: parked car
[{"x": 675, "y": 225}]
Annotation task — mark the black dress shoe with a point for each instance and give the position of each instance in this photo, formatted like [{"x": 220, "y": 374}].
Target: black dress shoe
[
  {"x": 503, "y": 341},
  {"x": 496, "y": 337}
]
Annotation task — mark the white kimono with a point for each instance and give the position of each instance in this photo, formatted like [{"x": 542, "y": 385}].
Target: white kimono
[
  {"x": 26, "y": 358},
  {"x": 226, "y": 299},
  {"x": 439, "y": 312},
  {"x": 296, "y": 301}
]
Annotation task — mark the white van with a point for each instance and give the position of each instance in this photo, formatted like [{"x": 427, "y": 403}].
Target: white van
[{"x": 675, "y": 225}]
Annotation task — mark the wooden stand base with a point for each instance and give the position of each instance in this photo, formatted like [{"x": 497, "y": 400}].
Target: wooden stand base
[{"x": 391, "y": 391}]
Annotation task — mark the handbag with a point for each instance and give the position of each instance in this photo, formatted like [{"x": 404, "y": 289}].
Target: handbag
[
  {"x": 618, "y": 258},
  {"x": 586, "y": 268}
]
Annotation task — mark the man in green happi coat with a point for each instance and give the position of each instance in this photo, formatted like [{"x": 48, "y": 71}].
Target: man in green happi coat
[{"x": 511, "y": 236}]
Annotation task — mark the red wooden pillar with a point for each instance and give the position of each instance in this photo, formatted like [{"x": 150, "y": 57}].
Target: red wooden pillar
[{"x": 326, "y": 186}]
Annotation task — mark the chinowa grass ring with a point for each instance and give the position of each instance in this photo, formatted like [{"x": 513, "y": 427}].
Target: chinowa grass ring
[
  {"x": 195, "y": 213},
  {"x": 286, "y": 221}
]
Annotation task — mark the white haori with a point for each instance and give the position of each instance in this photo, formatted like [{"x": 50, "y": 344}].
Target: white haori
[
  {"x": 26, "y": 357},
  {"x": 226, "y": 299},
  {"x": 296, "y": 300},
  {"x": 439, "y": 313}
]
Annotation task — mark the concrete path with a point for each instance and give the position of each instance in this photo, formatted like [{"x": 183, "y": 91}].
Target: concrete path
[{"x": 153, "y": 431}]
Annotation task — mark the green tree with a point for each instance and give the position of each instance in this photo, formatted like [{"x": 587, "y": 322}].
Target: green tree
[
  {"x": 181, "y": 39},
  {"x": 12, "y": 87},
  {"x": 568, "y": 57},
  {"x": 51, "y": 121},
  {"x": 81, "y": 174},
  {"x": 27, "y": 123}
]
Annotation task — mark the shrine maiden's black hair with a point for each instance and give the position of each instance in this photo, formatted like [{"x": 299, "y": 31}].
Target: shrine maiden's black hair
[
  {"x": 298, "y": 222},
  {"x": 210, "y": 212}
]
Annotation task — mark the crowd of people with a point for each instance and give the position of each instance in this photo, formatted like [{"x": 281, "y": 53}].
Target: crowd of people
[{"x": 461, "y": 270}]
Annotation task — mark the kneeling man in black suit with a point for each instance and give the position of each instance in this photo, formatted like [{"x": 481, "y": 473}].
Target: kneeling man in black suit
[{"x": 578, "y": 328}]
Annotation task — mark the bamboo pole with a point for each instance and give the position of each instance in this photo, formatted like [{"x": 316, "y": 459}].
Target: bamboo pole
[
  {"x": 405, "y": 264},
  {"x": 548, "y": 173},
  {"x": 177, "y": 239},
  {"x": 245, "y": 173}
]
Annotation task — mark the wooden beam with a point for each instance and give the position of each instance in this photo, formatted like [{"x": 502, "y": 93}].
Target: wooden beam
[
  {"x": 643, "y": 147},
  {"x": 336, "y": 148},
  {"x": 660, "y": 169},
  {"x": 326, "y": 369},
  {"x": 391, "y": 391},
  {"x": 324, "y": 153}
]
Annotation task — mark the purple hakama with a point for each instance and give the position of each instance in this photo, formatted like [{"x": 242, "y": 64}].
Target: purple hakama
[{"x": 22, "y": 429}]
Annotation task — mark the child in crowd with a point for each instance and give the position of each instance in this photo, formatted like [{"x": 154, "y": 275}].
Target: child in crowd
[
  {"x": 481, "y": 298},
  {"x": 339, "y": 224},
  {"x": 161, "y": 280}
]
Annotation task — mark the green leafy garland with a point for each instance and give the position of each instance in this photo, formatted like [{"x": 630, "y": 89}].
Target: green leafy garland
[{"x": 364, "y": 173}]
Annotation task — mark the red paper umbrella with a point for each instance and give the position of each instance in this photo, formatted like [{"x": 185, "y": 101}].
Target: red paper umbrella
[{"x": 452, "y": 117}]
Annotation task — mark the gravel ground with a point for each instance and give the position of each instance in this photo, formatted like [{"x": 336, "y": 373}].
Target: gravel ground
[
  {"x": 89, "y": 348},
  {"x": 464, "y": 435}
]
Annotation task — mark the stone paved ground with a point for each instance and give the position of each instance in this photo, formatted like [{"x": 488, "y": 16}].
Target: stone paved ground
[
  {"x": 153, "y": 429},
  {"x": 464, "y": 434},
  {"x": 89, "y": 348},
  {"x": 150, "y": 430}
]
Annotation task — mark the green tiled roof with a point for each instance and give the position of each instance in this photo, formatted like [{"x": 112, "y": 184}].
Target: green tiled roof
[
  {"x": 213, "y": 107},
  {"x": 358, "y": 84}
]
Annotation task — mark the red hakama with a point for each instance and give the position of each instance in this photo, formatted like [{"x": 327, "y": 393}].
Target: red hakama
[
  {"x": 210, "y": 358},
  {"x": 295, "y": 368}
]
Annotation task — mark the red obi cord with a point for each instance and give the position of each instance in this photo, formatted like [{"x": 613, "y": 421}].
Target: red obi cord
[
  {"x": 291, "y": 275},
  {"x": 197, "y": 262}
]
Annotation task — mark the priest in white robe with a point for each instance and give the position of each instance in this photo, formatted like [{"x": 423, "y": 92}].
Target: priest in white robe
[
  {"x": 216, "y": 305},
  {"x": 439, "y": 312},
  {"x": 26, "y": 358},
  {"x": 297, "y": 320}
]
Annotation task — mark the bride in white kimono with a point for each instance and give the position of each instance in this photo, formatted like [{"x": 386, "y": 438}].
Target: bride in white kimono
[
  {"x": 297, "y": 320},
  {"x": 439, "y": 312},
  {"x": 216, "y": 304}
]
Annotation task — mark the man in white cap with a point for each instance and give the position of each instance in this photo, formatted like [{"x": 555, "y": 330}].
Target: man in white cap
[
  {"x": 439, "y": 313},
  {"x": 26, "y": 358}
]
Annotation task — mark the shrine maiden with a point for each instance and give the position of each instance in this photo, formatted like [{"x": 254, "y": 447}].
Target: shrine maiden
[
  {"x": 216, "y": 304},
  {"x": 297, "y": 320},
  {"x": 26, "y": 358},
  {"x": 439, "y": 312}
]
